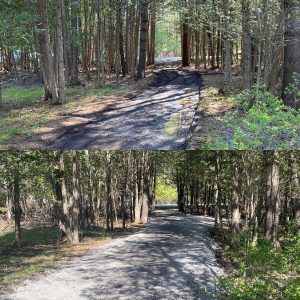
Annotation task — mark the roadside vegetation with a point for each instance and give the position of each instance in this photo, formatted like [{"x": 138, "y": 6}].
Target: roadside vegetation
[
  {"x": 258, "y": 120},
  {"x": 263, "y": 271}
]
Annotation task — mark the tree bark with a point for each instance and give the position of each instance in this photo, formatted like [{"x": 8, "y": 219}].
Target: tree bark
[
  {"x": 291, "y": 65},
  {"x": 17, "y": 206},
  {"x": 74, "y": 205},
  {"x": 43, "y": 37},
  {"x": 246, "y": 49},
  {"x": 60, "y": 52},
  {"x": 185, "y": 44},
  {"x": 74, "y": 42},
  {"x": 143, "y": 39},
  {"x": 272, "y": 201}
]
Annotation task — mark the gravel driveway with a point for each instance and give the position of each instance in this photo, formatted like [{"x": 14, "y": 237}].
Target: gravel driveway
[
  {"x": 160, "y": 118},
  {"x": 173, "y": 258}
]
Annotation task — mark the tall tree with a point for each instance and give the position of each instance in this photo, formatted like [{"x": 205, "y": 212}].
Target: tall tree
[
  {"x": 43, "y": 36},
  {"x": 143, "y": 38},
  {"x": 60, "y": 51},
  {"x": 246, "y": 45},
  {"x": 74, "y": 42},
  {"x": 291, "y": 65}
]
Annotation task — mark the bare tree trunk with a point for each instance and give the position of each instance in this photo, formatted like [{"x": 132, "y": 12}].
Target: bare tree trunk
[
  {"x": 143, "y": 39},
  {"x": 291, "y": 65},
  {"x": 43, "y": 37},
  {"x": 1, "y": 101},
  {"x": 235, "y": 205},
  {"x": 62, "y": 196},
  {"x": 151, "y": 50},
  {"x": 17, "y": 206},
  {"x": 74, "y": 45},
  {"x": 146, "y": 191},
  {"x": 246, "y": 50},
  {"x": 227, "y": 50},
  {"x": 60, "y": 52},
  {"x": 197, "y": 58},
  {"x": 185, "y": 44},
  {"x": 272, "y": 202},
  {"x": 74, "y": 205}
]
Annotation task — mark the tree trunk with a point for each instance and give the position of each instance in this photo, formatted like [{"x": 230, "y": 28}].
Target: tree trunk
[
  {"x": 1, "y": 101},
  {"x": 151, "y": 50},
  {"x": 121, "y": 46},
  {"x": 272, "y": 201},
  {"x": 45, "y": 50},
  {"x": 74, "y": 205},
  {"x": 17, "y": 206},
  {"x": 235, "y": 205},
  {"x": 185, "y": 44},
  {"x": 227, "y": 50},
  {"x": 143, "y": 39},
  {"x": 60, "y": 52},
  {"x": 291, "y": 65},
  {"x": 197, "y": 58},
  {"x": 74, "y": 42},
  {"x": 146, "y": 191},
  {"x": 246, "y": 49},
  {"x": 62, "y": 197}
]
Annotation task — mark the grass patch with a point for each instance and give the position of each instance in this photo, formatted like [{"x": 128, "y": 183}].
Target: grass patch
[
  {"x": 24, "y": 109},
  {"x": 172, "y": 126},
  {"x": 22, "y": 96},
  {"x": 31, "y": 236}
]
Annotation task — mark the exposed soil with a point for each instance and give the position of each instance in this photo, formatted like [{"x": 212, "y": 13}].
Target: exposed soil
[
  {"x": 212, "y": 112},
  {"x": 173, "y": 258}
]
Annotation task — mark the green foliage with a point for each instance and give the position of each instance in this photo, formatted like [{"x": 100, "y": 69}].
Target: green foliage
[
  {"x": 264, "y": 272},
  {"x": 262, "y": 122},
  {"x": 293, "y": 88},
  {"x": 31, "y": 236},
  {"x": 16, "y": 22},
  {"x": 165, "y": 192},
  {"x": 168, "y": 36}
]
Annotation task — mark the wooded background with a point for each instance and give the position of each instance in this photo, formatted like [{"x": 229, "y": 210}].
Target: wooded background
[
  {"x": 118, "y": 38},
  {"x": 251, "y": 192}
]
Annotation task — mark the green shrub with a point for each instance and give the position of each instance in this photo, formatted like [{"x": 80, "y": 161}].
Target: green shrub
[
  {"x": 263, "y": 272},
  {"x": 262, "y": 121}
]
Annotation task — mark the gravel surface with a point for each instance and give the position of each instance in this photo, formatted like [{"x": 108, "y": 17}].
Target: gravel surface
[
  {"x": 160, "y": 118},
  {"x": 173, "y": 258}
]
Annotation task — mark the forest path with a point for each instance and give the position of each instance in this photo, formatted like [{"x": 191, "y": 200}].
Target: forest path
[
  {"x": 160, "y": 118},
  {"x": 172, "y": 258}
]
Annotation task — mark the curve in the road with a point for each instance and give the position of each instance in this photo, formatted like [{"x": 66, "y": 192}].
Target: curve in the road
[{"x": 173, "y": 258}]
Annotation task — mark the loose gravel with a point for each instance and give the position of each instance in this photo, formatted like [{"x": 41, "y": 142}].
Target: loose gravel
[
  {"x": 172, "y": 258},
  {"x": 160, "y": 118}
]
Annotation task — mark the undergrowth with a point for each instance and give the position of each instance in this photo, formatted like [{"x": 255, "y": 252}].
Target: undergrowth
[
  {"x": 261, "y": 121},
  {"x": 263, "y": 272}
]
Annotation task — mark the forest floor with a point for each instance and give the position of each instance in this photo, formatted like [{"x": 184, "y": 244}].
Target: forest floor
[
  {"x": 155, "y": 113},
  {"x": 173, "y": 108},
  {"x": 172, "y": 258}
]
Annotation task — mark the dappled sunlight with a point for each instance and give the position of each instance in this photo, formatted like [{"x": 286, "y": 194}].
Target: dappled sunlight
[{"x": 173, "y": 248}]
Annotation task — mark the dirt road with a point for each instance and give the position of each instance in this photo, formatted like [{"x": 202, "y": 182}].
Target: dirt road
[
  {"x": 173, "y": 258},
  {"x": 160, "y": 118}
]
